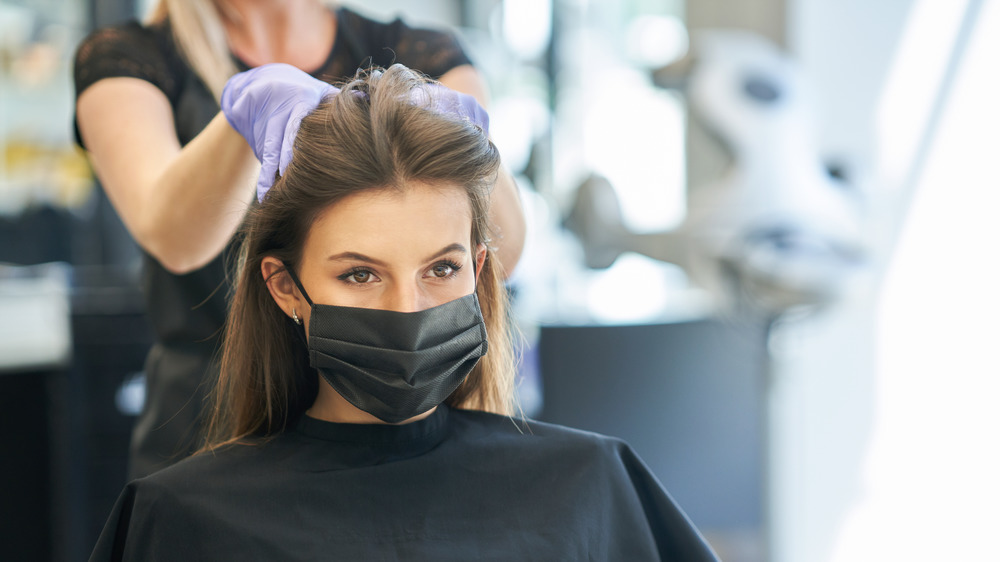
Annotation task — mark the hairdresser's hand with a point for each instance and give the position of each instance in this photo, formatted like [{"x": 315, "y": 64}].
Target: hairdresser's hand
[{"x": 266, "y": 105}]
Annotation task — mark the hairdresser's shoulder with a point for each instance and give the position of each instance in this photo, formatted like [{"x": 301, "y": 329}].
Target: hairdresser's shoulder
[
  {"x": 120, "y": 36},
  {"x": 129, "y": 50}
]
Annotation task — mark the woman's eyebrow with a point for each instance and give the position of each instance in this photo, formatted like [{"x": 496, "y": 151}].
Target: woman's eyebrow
[
  {"x": 355, "y": 256},
  {"x": 447, "y": 250}
]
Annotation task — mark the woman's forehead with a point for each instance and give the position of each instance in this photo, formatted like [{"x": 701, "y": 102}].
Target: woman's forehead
[{"x": 418, "y": 215}]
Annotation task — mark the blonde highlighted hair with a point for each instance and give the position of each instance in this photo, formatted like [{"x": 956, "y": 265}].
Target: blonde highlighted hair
[{"x": 370, "y": 136}]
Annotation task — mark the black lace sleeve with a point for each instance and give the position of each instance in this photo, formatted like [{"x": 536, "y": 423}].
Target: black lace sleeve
[
  {"x": 433, "y": 52},
  {"x": 128, "y": 50}
]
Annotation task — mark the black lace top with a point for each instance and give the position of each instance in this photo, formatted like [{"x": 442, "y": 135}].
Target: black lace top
[{"x": 188, "y": 311}]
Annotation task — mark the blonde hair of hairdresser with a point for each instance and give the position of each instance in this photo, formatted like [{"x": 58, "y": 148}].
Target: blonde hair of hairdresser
[
  {"x": 368, "y": 137},
  {"x": 201, "y": 38}
]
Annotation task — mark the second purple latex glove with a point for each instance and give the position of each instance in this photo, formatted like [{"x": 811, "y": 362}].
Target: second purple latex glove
[
  {"x": 446, "y": 101},
  {"x": 266, "y": 105}
]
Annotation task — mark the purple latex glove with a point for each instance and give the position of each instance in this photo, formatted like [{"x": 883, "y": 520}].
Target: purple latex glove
[
  {"x": 448, "y": 101},
  {"x": 266, "y": 105}
]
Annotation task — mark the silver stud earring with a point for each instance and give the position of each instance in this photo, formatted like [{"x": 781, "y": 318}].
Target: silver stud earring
[{"x": 295, "y": 318}]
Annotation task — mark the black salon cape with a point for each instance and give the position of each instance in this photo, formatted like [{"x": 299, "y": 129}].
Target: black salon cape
[{"x": 458, "y": 485}]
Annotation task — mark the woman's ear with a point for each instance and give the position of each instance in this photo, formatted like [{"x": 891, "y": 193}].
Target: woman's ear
[
  {"x": 281, "y": 286},
  {"x": 480, "y": 259}
]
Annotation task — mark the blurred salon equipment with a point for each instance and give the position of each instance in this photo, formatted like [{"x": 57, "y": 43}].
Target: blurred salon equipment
[{"x": 777, "y": 230}]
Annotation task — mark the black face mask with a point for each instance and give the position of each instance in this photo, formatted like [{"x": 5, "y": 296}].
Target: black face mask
[{"x": 395, "y": 365}]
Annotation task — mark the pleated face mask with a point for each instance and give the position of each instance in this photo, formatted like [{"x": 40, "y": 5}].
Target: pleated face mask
[{"x": 395, "y": 365}]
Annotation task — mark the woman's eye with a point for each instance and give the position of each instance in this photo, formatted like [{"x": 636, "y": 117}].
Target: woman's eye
[
  {"x": 443, "y": 270},
  {"x": 358, "y": 276}
]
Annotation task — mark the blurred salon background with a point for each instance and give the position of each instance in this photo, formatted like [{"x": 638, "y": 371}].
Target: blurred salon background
[{"x": 761, "y": 249}]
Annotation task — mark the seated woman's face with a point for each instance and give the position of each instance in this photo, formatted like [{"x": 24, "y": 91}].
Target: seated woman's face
[{"x": 395, "y": 250}]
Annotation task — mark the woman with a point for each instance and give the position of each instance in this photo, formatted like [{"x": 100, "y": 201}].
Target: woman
[
  {"x": 363, "y": 408},
  {"x": 179, "y": 176}
]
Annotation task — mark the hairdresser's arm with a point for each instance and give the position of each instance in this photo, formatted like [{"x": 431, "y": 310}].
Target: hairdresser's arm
[
  {"x": 507, "y": 214},
  {"x": 182, "y": 205}
]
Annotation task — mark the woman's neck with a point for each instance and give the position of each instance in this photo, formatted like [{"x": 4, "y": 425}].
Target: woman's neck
[
  {"x": 331, "y": 406},
  {"x": 297, "y": 32}
]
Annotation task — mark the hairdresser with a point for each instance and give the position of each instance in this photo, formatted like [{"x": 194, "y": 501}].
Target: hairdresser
[{"x": 182, "y": 178}]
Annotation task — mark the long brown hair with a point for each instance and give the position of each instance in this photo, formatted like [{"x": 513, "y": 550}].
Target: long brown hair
[{"x": 369, "y": 136}]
